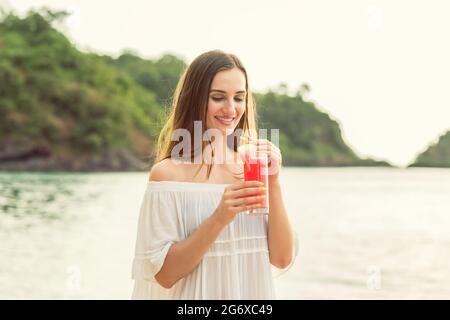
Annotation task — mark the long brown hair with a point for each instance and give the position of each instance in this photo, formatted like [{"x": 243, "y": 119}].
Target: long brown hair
[{"x": 190, "y": 102}]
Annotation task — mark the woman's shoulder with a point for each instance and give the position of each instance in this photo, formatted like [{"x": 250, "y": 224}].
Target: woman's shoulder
[
  {"x": 168, "y": 175},
  {"x": 170, "y": 170},
  {"x": 165, "y": 170}
]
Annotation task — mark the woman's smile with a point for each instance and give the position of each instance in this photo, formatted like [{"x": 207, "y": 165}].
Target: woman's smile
[{"x": 227, "y": 121}]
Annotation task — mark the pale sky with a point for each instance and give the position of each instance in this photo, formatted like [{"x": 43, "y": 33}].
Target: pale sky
[{"x": 380, "y": 68}]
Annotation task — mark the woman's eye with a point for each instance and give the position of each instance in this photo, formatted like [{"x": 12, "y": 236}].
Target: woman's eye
[{"x": 237, "y": 99}]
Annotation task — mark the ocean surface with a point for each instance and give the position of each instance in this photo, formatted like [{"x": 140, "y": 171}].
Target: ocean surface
[{"x": 364, "y": 233}]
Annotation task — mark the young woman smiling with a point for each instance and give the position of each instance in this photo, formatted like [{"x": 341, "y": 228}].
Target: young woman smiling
[{"x": 193, "y": 239}]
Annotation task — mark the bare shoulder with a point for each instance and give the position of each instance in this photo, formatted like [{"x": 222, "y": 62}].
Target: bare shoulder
[{"x": 167, "y": 170}]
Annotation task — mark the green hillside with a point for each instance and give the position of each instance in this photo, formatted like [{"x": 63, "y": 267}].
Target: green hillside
[
  {"x": 64, "y": 109},
  {"x": 308, "y": 137},
  {"x": 436, "y": 155}
]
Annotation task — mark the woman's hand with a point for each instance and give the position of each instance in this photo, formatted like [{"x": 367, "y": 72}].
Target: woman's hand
[
  {"x": 236, "y": 199},
  {"x": 274, "y": 157}
]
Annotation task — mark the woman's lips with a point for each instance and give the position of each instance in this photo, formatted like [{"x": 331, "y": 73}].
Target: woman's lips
[{"x": 225, "y": 120}]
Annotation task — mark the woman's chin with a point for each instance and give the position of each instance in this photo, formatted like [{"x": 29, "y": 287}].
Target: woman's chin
[
  {"x": 224, "y": 130},
  {"x": 228, "y": 130}
]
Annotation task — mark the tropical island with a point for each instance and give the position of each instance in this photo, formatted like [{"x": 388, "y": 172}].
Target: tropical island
[
  {"x": 436, "y": 154},
  {"x": 63, "y": 109}
]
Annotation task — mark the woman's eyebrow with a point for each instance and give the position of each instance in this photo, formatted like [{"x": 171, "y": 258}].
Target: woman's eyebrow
[{"x": 241, "y": 91}]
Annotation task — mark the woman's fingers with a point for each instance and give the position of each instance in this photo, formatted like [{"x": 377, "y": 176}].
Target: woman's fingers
[
  {"x": 268, "y": 149},
  {"x": 246, "y": 200},
  {"x": 244, "y": 208},
  {"x": 245, "y": 184},
  {"x": 247, "y": 191},
  {"x": 264, "y": 144}
]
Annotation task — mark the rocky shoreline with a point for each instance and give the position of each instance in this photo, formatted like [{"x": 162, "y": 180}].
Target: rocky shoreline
[{"x": 40, "y": 159}]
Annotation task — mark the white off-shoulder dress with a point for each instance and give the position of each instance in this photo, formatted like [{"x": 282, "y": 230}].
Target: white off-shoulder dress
[{"x": 236, "y": 266}]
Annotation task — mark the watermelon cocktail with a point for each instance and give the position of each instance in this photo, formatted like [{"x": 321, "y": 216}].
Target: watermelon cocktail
[{"x": 255, "y": 168}]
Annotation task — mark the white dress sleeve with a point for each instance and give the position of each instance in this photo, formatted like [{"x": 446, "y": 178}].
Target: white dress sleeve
[{"x": 159, "y": 226}]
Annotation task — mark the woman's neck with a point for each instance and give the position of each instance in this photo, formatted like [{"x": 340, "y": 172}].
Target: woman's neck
[{"x": 220, "y": 151}]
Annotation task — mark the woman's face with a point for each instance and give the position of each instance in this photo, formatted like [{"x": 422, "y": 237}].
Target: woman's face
[{"x": 226, "y": 101}]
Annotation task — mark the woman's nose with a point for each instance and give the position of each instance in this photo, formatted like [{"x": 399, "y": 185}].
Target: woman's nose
[{"x": 230, "y": 104}]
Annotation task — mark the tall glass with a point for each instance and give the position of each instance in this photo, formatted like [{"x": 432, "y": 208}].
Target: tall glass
[{"x": 255, "y": 168}]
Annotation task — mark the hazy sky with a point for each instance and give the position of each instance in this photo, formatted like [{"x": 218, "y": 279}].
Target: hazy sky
[{"x": 380, "y": 68}]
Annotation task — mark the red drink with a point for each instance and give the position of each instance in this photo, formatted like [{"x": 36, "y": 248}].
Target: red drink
[{"x": 255, "y": 168}]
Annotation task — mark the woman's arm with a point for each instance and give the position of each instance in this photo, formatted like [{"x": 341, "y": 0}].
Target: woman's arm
[
  {"x": 185, "y": 255},
  {"x": 280, "y": 235}
]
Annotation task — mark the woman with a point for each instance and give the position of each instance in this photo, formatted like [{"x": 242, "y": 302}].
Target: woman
[{"x": 193, "y": 241}]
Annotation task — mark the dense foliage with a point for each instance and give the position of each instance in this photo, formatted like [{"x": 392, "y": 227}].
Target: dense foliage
[
  {"x": 436, "y": 155},
  {"x": 59, "y": 102}
]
